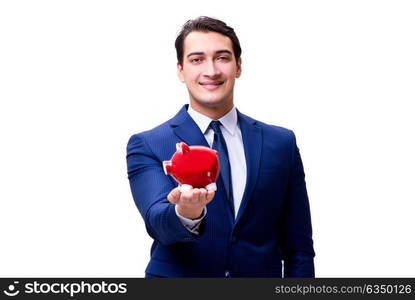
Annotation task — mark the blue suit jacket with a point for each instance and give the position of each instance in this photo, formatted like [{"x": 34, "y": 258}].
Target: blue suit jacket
[{"x": 273, "y": 223}]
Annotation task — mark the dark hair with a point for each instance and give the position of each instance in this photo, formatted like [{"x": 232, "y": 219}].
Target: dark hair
[{"x": 206, "y": 24}]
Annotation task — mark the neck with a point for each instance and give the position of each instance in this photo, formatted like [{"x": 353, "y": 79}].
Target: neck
[{"x": 213, "y": 112}]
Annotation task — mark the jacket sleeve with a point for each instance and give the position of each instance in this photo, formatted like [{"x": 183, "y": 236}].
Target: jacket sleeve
[
  {"x": 150, "y": 187},
  {"x": 297, "y": 244}
]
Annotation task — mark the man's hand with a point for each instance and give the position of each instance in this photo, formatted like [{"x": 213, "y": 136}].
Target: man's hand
[{"x": 190, "y": 204}]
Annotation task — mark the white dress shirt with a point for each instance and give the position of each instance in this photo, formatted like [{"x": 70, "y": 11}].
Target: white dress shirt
[{"x": 233, "y": 138}]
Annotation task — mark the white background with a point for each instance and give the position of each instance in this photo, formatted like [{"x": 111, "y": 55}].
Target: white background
[{"x": 78, "y": 78}]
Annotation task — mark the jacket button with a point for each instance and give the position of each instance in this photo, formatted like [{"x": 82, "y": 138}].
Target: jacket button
[{"x": 227, "y": 274}]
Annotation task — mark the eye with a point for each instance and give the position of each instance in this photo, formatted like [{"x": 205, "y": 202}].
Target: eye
[
  {"x": 195, "y": 60},
  {"x": 223, "y": 58}
]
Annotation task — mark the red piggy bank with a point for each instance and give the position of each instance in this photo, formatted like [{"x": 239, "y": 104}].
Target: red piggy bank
[{"x": 193, "y": 167}]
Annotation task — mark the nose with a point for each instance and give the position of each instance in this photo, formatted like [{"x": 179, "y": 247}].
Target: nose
[{"x": 211, "y": 70}]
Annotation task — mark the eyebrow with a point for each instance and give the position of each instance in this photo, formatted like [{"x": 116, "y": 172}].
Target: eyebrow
[{"x": 216, "y": 52}]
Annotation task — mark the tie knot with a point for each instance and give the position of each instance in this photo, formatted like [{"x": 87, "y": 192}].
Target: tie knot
[{"x": 215, "y": 125}]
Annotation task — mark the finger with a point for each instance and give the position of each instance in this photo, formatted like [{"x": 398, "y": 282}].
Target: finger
[
  {"x": 196, "y": 196},
  {"x": 209, "y": 196},
  {"x": 203, "y": 194},
  {"x": 187, "y": 196},
  {"x": 174, "y": 196}
]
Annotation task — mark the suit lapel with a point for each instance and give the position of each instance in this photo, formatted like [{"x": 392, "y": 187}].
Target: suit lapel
[
  {"x": 186, "y": 129},
  {"x": 252, "y": 141}
]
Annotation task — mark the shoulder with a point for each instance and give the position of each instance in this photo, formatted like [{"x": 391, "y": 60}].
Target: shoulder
[
  {"x": 161, "y": 133},
  {"x": 157, "y": 135},
  {"x": 270, "y": 131},
  {"x": 150, "y": 133}
]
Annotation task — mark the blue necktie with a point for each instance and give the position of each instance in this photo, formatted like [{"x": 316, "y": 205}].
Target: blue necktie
[{"x": 219, "y": 145}]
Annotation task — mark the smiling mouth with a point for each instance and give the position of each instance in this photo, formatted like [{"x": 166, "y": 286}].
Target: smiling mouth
[{"x": 211, "y": 85}]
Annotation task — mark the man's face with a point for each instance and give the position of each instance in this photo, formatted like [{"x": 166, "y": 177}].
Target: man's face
[{"x": 209, "y": 68}]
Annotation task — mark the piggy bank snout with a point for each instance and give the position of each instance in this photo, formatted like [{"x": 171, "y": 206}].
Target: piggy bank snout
[{"x": 167, "y": 167}]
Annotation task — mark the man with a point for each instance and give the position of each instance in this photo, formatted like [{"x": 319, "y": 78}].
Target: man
[{"x": 259, "y": 216}]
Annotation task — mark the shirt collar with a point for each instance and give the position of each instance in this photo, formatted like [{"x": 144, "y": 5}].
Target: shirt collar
[{"x": 229, "y": 121}]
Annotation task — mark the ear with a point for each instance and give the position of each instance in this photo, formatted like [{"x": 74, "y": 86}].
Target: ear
[
  {"x": 180, "y": 72},
  {"x": 239, "y": 67}
]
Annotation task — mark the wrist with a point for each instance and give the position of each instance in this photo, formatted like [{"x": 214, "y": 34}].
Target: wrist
[{"x": 190, "y": 214}]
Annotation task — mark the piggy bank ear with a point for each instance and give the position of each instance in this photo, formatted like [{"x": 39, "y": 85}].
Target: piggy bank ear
[{"x": 182, "y": 147}]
